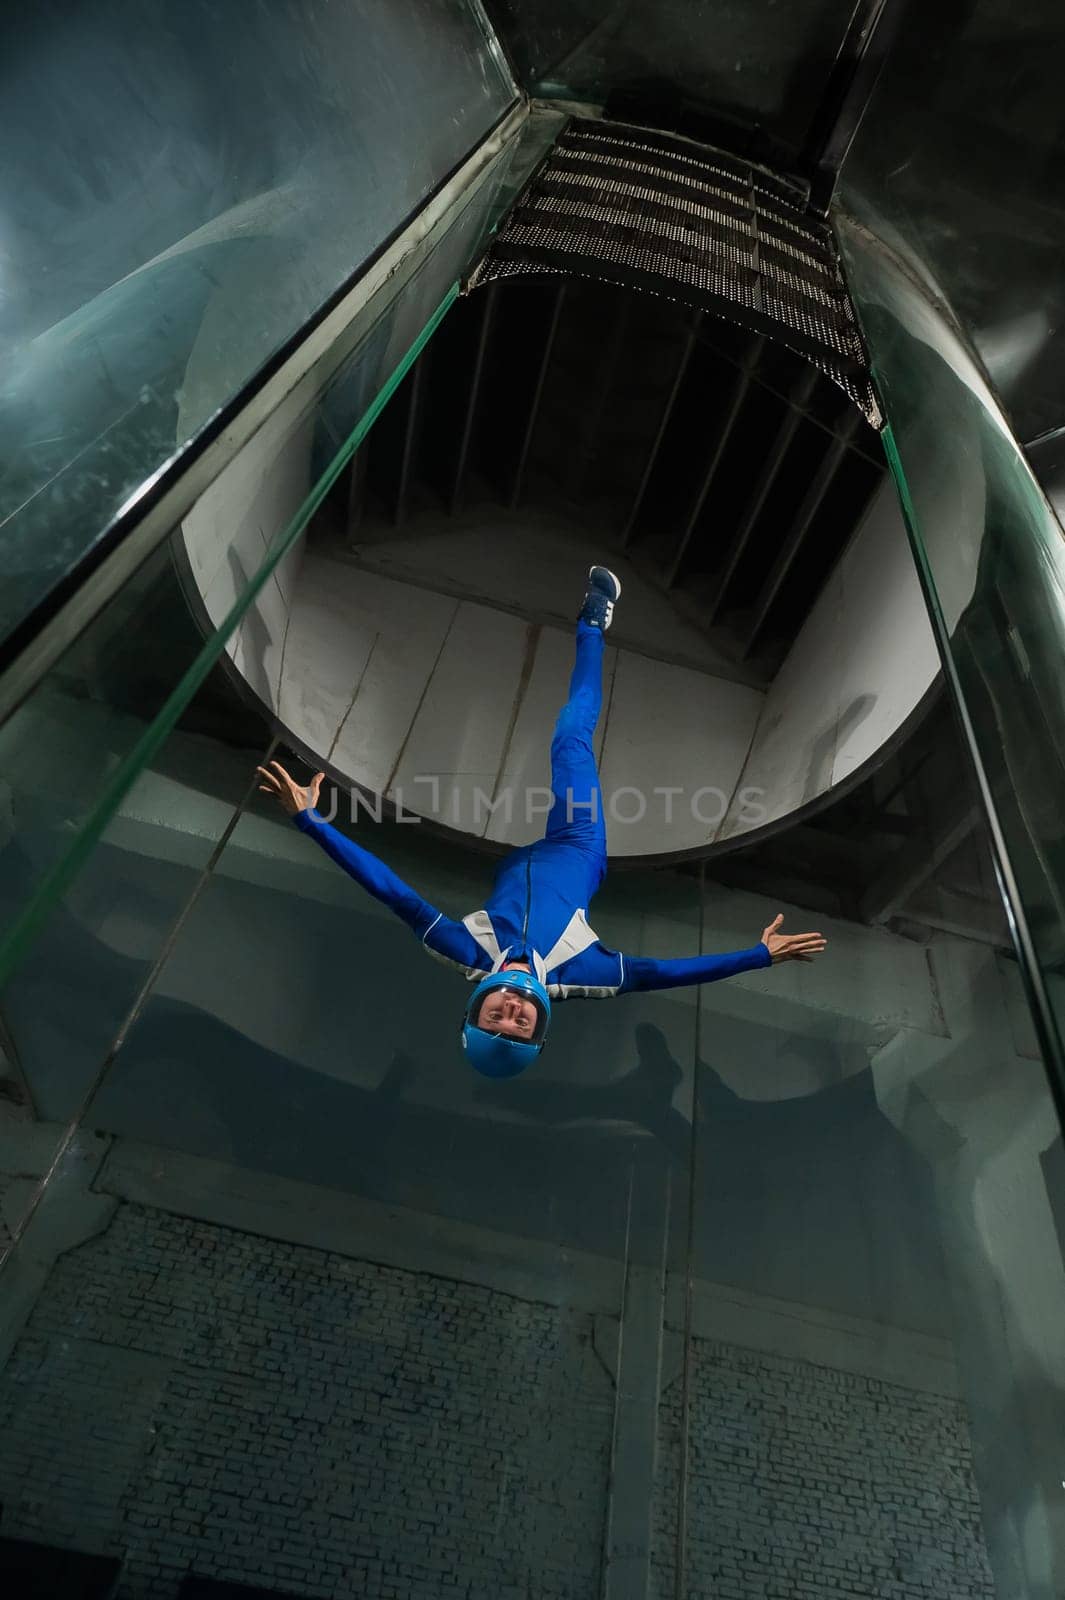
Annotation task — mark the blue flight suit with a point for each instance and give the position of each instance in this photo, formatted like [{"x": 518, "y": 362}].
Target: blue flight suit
[{"x": 537, "y": 911}]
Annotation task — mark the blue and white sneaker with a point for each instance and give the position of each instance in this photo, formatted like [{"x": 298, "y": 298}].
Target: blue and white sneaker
[{"x": 603, "y": 592}]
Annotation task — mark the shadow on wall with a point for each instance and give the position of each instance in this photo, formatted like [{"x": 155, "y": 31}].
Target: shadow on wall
[
  {"x": 823, "y": 753},
  {"x": 815, "y": 1199}
]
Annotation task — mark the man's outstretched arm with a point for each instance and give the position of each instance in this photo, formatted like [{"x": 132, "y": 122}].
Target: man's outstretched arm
[
  {"x": 644, "y": 972},
  {"x": 448, "y": 938},
  {"x": 370, "y": 872}
]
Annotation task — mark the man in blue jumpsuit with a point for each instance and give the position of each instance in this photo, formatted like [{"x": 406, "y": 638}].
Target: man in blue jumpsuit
[{"x": 531, "y": 943}]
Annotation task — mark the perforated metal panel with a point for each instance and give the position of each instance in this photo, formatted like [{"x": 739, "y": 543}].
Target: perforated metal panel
[{"x": 663, "y": 215}]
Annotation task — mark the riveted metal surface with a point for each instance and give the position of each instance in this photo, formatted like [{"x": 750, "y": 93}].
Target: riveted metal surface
[{"x": 665, "y": 216}]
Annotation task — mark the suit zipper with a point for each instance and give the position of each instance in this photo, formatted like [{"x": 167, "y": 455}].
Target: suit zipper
[{"x": 528, "y": 899}]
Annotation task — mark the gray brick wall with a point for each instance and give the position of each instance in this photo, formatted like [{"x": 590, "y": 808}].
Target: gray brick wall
[
  {"x": 185, "y": 1395},
  {"x": 806, "y": 1483}
]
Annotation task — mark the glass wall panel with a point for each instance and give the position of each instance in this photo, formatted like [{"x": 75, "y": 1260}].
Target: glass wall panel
[
  {"x": 80, "y": 772},
  {"x": 991, "y": 554},
  {"x": 86, "y": 760},
  {"x": 324, "y": 1267},
  {"x": 746, "y": 1291},
  {"x": 306, "y": 1304},
  {"x": 874, "y": 1398},
  {"x": 184, "y": 188},
  {"x": 219, "y": 564},
  {"x": 947, "y": 217},
  {"x": 957, "y": 164}
]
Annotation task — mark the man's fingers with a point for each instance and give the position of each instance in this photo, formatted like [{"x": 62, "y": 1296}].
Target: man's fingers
[{"x": 793, "y": 946}]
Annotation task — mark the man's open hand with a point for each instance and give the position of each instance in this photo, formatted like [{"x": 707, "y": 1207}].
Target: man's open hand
[
  {"x": 791, "y": 946},
  {"x": 290, "y": 797}
]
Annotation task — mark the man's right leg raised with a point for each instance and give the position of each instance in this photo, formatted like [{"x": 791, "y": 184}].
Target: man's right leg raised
[{"x": 576, "y": 816}]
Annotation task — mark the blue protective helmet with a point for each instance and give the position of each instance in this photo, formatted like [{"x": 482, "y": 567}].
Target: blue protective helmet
[{"x": 497, "y": 1055}]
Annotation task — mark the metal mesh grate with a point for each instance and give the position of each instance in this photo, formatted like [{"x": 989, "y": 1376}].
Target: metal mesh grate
[{"x": 646, "y": 211}]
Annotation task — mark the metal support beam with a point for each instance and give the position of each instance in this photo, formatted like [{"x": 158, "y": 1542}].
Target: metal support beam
[
  {"x": 738, "y": 396},
  {"x": 966, "y": 916},
  {"x": 537, "y": 395},
  {"x": 773, "y": 463},
  {"x": 872, "y": 28},
  {"x": 641, "y": 1357},
  {"x": 14, "y": 1084},
  {"x": 410, "y": 440},
  {"x": 462, "y": 455},
  {"x": 820, "y": 484},
  {"x": 356, "y": 496},
  {"x": 890, "y": 892},
  {"x": 871, "y": 452},
  {"x": 663, "y": 424},
  {"x": 606, "y": 378},
  {"x": 953, "y": 814}
]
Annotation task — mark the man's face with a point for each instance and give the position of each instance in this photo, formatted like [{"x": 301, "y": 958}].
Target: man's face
[{"x": 503, "y": 1011}]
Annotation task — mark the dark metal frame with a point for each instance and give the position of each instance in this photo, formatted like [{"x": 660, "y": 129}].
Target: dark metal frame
[
  {"x": 865, "y": 48},
  {"x": 604, "y": 206}
]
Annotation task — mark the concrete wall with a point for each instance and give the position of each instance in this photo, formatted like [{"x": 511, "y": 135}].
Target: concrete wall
[
  {"x": 435, "y": 679},
  {"x": 977, "y": 1105},
  {"x": 280, "y": 1036},
  {"x": 232, "y": 529},
  {"x": 446, "y": 707},
  {"x": 861, "y": 664},
  {"x": 411, "y": 691},
  {"x": 260, "y": 1044}
]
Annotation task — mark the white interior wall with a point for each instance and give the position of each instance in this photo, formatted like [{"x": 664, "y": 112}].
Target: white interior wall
[
  {"x": 864, "y": 658},
  {"x": 445, "y": 703},
  {"x": 231, "y": 530}
]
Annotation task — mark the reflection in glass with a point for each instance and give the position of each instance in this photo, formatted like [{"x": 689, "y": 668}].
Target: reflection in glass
[
  {"x": 957, "y": 165},
  {"x": 874, "y": 1391},
  {"x": 238, "y": 540},
  {"x": 172, "y": 220},
  {"x": 991, "y": 552}
]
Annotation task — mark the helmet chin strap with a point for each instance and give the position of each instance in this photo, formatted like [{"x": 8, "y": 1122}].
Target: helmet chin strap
[{"x": 536, "y": 961}]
